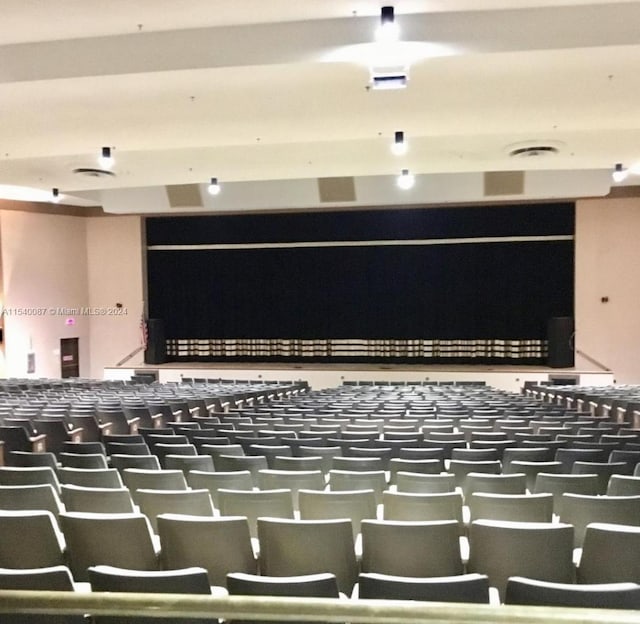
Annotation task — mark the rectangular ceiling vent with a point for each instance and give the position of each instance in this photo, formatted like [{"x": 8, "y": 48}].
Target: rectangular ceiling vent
[
  {"x": 184, "y": 196},
  {"x": 337, "y": 189},
  {"x": 503, "y": 183}
]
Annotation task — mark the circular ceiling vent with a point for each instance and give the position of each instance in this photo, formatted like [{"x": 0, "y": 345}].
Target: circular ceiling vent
[
  {"x": 533, "y": 149},
  {"x": 89, "y": 172}
]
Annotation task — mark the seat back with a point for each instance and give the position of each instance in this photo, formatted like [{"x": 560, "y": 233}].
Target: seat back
[
  {"x": 30, "y": 539},
  {"x": 90, "y": 477},
  {"x": 610, "y": 554},
  {"x": 27, "y": 459},
  {"x": 415, "y": 483},
  {"x": 581, "y": 510},
  {"x": 401, "y": 506},
  {"x": 54, "y": 578},
  {"x": 189, "y": 462},
  {"x": 376, "y": 480},
  {"x": 512, "y": 507},
  {"x": 291, "y": 480},
  {"x": 220, "y": 545},
  {"x": 321, "y": 585},
  {"x": 96, "y": 500},
  {"x": 494, "y": 484},
  {"x": 83, "y": 460},
  {"x": 468, "y": 588},
  {"x": 416, "y": 549},
  {"x": 526, "y": 591},
  {"x": 141, "y": 479},
  {"x": 536, "y": 550},
  {"x": 213, "y": 481},
  {"x": 42, "y": 475},
  {"x": 254, "y": 504},
  {"x": 300, "y": 547},
  {"x": 152, "y": 503},
  {"x": 559, "y": 484},
  {"x": 32, "y": 497},
  {"x": 121, "y": 540},
  {"x": 623, "y": 485},
  {"x": 141, "y": 462},
  {"x": 322, "y": 505},
  {"x": 105, "y": 578}
]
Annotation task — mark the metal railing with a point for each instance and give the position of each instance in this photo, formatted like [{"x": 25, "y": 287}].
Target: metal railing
[{"x": 310, "y": 609}]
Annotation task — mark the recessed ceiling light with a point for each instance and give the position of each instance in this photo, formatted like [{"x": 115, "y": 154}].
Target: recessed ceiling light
[
  {"x": 214, "y": 187},
  {"x": 619, "y": 173},
  {"x": 106, "y": 158},
  {"x": 406, "y": 180},
  {"x": 399, "y": 145},
  {"x": 388, "y": 29}
]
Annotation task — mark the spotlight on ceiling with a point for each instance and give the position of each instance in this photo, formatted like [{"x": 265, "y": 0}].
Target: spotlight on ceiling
[
  {"x": 405, "y": 180},
  {"x": 106, "y": 158},
  {"x": 619, "y": 173},
  {"x": 388, "y": 29},
  {"x": 214, "y": 187},
  {"x": 55, "y": 195},
  {"x": 399, "y": 145}
]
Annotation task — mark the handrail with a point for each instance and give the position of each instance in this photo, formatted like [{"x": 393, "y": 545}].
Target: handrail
[
  {"x": 586, "y": 356},
  {"x": 127, "y": 357},
  {"x": 311, "y": 609}
]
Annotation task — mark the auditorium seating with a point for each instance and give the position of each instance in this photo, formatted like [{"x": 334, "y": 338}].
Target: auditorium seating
[{"x": 400, "y": 492}]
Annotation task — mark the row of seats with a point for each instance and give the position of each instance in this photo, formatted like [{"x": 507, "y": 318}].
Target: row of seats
[
  {"x": 290, "y": 547},
  {"x": 571, "y": 498},
  {"x": 467, "y": 588}
]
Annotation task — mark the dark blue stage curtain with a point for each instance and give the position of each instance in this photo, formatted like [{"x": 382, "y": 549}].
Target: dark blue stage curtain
[{"x": 453, "y": 285}]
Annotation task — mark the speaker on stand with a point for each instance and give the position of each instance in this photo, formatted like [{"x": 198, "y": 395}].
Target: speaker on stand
[
  {"x": 560, "y": 335},
  {"x": 156, "y": 351}
]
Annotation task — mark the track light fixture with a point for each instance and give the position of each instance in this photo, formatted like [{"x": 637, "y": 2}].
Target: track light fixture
[
  {"x": 399, "y": 145},
  {"x": 214, "y": 187},
  {"x": 619, "y": 173},
  {"x": 406, "y": 180},
  {"x": 55, "y": 195},
  {"x": 106, "y": 158},
  {"x": 388, "y": 29}
]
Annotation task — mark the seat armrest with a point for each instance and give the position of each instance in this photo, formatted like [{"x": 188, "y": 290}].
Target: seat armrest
[
  {"x": 134, "y": 423},
  {"x": 39, "y": 443},
  {"x": 77, "y": 434},
  {"x": 157, "y": 420},
  {"x": 105, "y": 428}
]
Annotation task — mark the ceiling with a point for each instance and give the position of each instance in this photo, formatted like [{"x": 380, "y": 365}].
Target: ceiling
[{"x": 270, "y": 96}]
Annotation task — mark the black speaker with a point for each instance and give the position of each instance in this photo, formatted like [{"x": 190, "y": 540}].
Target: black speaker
[
  {"x": 156, "y": 351},
  {"x": 560, "y": 342}
]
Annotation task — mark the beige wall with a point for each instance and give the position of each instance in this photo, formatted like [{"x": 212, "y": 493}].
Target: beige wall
[
  {"x": 114, "y": 252},
  {"x": 608, "y": 265},
  {"x": 44, "y": 262},
  {"x": 53, "y": 261}
]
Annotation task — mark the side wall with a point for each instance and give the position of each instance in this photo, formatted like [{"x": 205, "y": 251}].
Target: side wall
[
  {"x": 608, "y": 265},
  {"x": 44, "y": 276},
  {"x": 114, "y": 263}
]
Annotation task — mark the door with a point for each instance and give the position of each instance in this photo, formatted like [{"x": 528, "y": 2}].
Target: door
[{"x": 69, "y": 358}]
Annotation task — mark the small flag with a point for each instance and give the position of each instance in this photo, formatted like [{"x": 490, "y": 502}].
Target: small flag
[{"x": 144, "y": 332}]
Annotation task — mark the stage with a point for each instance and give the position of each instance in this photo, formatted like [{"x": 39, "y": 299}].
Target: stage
[{"x": 319, "y": 376}]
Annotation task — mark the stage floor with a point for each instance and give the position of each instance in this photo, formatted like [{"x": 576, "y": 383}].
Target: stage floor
[{"x": 325, "y": 375}]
